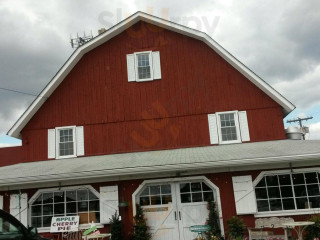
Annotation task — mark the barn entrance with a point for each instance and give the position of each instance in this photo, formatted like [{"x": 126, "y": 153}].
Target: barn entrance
[{"x": 171, "y": 206}]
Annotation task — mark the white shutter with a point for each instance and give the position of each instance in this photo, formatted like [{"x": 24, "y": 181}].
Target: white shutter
[
  {"x": 156, "y": 65},
  {"x": 19, "y": 207},
  {"x": 244, "y": 128},
  {"x": 51, "y": 143},
  {"x": 80, "y": 141},
  {"x": 131, "y": 68},
  {"x": 244, "y": 195},
  {"x": 213, "y": 129},
  {"x": 1, "y": 202},
  {"x": 109, "y": 203}
]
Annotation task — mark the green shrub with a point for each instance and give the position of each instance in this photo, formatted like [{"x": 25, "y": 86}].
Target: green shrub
[
  {"x": 236, "y": 227},
  {"x": 116, "y": 227},
  {"x": 313, "y": 231}
]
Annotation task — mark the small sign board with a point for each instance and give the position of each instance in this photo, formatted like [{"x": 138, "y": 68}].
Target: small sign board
[
  {"x": 64, "y": 224},
  {"x": 200, "y": 228}
]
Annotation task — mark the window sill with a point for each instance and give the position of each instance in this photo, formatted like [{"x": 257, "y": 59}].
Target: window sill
[
  {"x": 229, "y": 142},
  {"x": 288, "y": 213},
  {"x": 81, "y": 227},
  {"x": 145, "y": 80},
  {"x": 69, "y": 156}
]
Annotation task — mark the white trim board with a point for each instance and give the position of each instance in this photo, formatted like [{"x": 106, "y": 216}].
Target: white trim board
[{"x": 120, "y": 27}]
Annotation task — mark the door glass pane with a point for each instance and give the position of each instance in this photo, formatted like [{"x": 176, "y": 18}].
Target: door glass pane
[
  {"x": 155, "y": 200},
  {"x": 165, "y": 189},
  {"x": 196, "y": 187},
  {"x": 144, "y": 201},
  {"x": 184, "y": 187},
  {"x": 166, "y": 199},
  {"x": 186, "y": 198},
  {"x": 205, "y": 187},
  {"x": 197, "y": 197},
  {"x": 154, "y": 190},
  {"x": 208, "y": 196}
]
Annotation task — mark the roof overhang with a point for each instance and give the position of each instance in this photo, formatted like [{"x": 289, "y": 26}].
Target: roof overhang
[
  {"x": 188, "y": 161},
  {"x": 286, "y": 105}
]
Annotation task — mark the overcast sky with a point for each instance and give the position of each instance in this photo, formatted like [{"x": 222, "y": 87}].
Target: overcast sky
[{"x": 278, "y": 40}]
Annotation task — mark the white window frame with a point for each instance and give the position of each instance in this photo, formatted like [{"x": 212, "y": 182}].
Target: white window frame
[
  {"x": 58, "y": 141},
  {"x": 36, "y": 195},
  {"x": 236, "y": 120},
  {"x": 285, "y": 212},
  {"x": 150, "y": 63}
]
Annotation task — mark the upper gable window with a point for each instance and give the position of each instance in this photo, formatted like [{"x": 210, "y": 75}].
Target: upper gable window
[
  {"x": 143, "y": 66},
  {"x": 65, "y": 142},
  {"x": 228, "y": 127}
]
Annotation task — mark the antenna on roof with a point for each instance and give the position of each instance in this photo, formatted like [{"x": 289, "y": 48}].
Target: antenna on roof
[
  {"x": 303, "y": 129},
  {"x": 79, "y": 41}
]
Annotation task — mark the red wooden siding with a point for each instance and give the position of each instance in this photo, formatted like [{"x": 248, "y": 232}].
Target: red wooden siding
[
  {"x": 168, "y": 113},
  {"x": 10, "y": 155}
]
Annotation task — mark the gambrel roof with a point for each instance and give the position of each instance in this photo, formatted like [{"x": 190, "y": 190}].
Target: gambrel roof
[{"x": 287, "y": 106}]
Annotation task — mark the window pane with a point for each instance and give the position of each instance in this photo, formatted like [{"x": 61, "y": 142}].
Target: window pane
[
  {"x": 313, "y": 190},
  {"x": 288, "y": 204},
  {"x": 273, "y": 192},
  {"x": 48, "y": 209},
  {"x": 71, "y": 196},
  {"x": 36, "y": 222},
  {"x": 272, "y": 181},
  {"x": 262, "y": 182},
  {"x": 186, "y": 198},
  {"x": 47, "y": 198},
  {"x": 285, "y": 179},
  {"x": 155, "y": 200},
  {"x": 196, "y": 187},
  {"x": 154, "y": 190},
  {"x": 71, "y": 207},
  {"x": 82, "y": 195},
  {"x": 36, "y": 210},
  {"x": 83, "y": 218},
  {"x": 94, "y": 206},
  {"x": 275, "y": 205},
  {"x": 300, "y": 191},
  {"x": 302, "y": 203},
  {"x": 165, "y": 189},
  {"x": 184, "y": 187},
  {"x": 58, "y": 209},
  {"x": 286, "y": 192},
  {"x": 261, "y": 193},
  {"x": 166, "y": 199},
  {"x": 92, "y": 196},
  {"x": 94, "y": 217},
  {"x": 47, "y": 221},
  {"x": 197, "y": 197},
  {"x": 144, "y": 201},
  {"x": 263, "y": 205},
  {"x": 83, "y": 206},
  {"x": 58, "y": 197},
  {"x": 314, "y": 202},
  {"x": 38, "y": 200},
  {"x": 311, "y": 177},
  {"x": 208, "y": 196},
  {"x": 298, "y": 178}
]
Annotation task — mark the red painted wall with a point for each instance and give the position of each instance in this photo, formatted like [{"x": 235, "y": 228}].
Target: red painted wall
[
  {"x": 168, "y": 113},
  {"x": 10, "y": 155}
]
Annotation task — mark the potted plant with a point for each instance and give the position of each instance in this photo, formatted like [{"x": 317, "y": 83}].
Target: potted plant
[{"x": 236, "y": 227}]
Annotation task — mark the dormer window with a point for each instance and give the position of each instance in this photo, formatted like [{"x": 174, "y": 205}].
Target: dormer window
[{"x": 143, "y": 66}]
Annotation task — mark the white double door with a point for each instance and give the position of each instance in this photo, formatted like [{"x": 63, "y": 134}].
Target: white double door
[{"x": 188, "y": 207}]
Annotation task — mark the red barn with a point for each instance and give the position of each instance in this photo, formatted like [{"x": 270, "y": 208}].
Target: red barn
[{"x": 154, "y": 113}]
